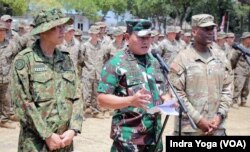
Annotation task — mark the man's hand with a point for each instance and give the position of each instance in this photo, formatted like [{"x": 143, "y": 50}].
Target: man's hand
[
  {"x": 67, "y": 137},
  {"x": 140, "y": 99},
  {"x": 204, "y": 125},
  {"x": 54, "y": 142},
  {"x": 214, "y": 123}
]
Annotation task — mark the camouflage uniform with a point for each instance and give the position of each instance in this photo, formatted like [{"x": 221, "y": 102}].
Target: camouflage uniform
[
  {"x": 133, "y": 129},
  {"x": 46, "y": 91},
  {"x": 205, "y": 85},
  {"x": 241, "y": 76}
]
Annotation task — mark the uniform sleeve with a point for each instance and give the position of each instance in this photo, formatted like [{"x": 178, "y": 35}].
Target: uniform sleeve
[
  {"x": 77, "y": 115},
  {"x": 234, "y": 58},
  {"x": 81, "y": 55},
  {"x": 227, "y": 90},
  {"x": 177, "y": 76},
  {"x": 109, "y": 79},
  {"x": 25, "y": 108}
]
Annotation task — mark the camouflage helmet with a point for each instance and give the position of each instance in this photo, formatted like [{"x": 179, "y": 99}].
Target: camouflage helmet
[{"x": 47, "y": 20}]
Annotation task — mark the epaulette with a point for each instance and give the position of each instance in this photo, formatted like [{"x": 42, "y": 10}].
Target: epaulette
[{"x": 25, "y": 51}]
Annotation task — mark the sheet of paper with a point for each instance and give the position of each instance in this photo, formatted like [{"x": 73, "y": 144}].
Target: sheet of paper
[{"x": 166, "y": 108}]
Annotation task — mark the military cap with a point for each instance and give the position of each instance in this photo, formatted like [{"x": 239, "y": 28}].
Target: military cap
[
  {"x": 178, "y": 29},
  {"x": 101, "y": 24},
  {"x": 230, "y": 34},
  {"x": 21, "y": 25},
  {"x": 187, "y": 34},
  {"x": 69, "y": 28},
  {"x": 161, "y": 35},
  {"x": 94, "y": 29},
  {"x": 140, "y": 27},
  {"x": 221, "y": 35},
  {"x": 245, "y": 35},
  {"x": 117, "y": 31},
  {"x": 171, "y": 29},
  {"x": 124, "y": 28},
  {"x": 154, "y": 33},
  {"x": 3, "y": 25},
  {"x": 78, "y": 32},
  {"x": 6, "y": 18},
  {"x": 203, "y": 20},
  {"x": 46, "y": 20}
]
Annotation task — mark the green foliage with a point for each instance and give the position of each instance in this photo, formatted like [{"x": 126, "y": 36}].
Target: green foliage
[{"x": 14, "y": 7}]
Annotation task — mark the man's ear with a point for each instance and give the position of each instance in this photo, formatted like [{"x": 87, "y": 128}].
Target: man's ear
[
  {"x": 194, "y": 31},
  {"x": 127, "y": 36}
]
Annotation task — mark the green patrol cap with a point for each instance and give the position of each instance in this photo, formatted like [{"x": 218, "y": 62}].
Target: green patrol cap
[
  {"x": 46, "y": 20},
  {"x": 140, "y": 27},
  {"x": 245, "y": 35},
  {"x": 203, "y": 20}
]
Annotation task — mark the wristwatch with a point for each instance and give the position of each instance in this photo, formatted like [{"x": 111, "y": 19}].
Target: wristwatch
[{"x": 221, "y": 115}]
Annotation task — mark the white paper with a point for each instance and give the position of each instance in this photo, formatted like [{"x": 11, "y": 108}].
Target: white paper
[{"x": 166, "y": 108}]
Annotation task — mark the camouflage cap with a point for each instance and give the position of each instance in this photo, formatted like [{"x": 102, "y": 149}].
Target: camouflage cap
[
  {"x": 101, "y": 24},
  {"x": 6, "y": 18},
  {"x": 124, "y": 28},
  {"x": 117, "y": 31},
  {"x": 140, "y": 27},
  {"x": 46, "y": 20},
  {"x": 161, "y": 35},
  {"x": 69, "y": 28},
  {"x": 78, "y": 32},
  {"x": 221, "y": 35},
  {"x": 94, "y": 29},
  {"x": 230, "y": 34},
  {"x": 178, "y": 29},
  {"x": 21, "y": 25},
  {"x": 203, "y": 20},
  {"x": 3, "y": 25},
  {"x": 187, "y": 34},
  {"x": 171, "y": 29},
  {"x": 154, "y": 33},
  {"x": 245, "y": 35}
]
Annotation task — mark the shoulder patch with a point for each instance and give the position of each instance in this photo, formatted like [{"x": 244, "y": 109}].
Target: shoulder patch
[{"x": 19, "y": 64}]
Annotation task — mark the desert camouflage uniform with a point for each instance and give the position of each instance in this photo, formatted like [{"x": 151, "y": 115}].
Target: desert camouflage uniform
[
  {"x": 205, "y": 85},
  {"x": 123, "y": 75},
  {"x": 168, "y": 50},
  {"x": 47, "y": 96}
]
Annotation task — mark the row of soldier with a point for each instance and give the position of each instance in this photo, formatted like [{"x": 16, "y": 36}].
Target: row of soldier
[{"x": 89, "y": 60}]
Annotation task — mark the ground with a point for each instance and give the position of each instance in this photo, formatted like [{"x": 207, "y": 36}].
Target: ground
[{"x": 95, "y": 132}]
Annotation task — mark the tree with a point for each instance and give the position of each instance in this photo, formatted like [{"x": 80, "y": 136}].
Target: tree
[{"x": 13, "y": 7}]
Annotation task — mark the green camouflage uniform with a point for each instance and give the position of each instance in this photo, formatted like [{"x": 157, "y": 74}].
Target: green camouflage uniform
[
  {"x": 46, "y": 91},
  {"x": 124, "y": 75},
  {"x": 204, "y": 85},
  {"x": 47, "y": 96}
]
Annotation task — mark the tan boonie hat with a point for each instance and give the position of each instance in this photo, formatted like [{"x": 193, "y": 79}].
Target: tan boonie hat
[
  {"x": 101, "y": 24},
  {"x": 46, "y": 20},
  {"x": 117, "y": 31},
  {"x": 78, "y": 32},
  {"x": 94, "y": 29},
  {"x": 221, "y": 35},
  {"x": 171, "y": 29},
  {"x": 230, "y": 35},
  {"x": 3, "y": 25},
  {"x": 187, "y": 34},
  {"x": 154, "y": 33},
  {"x": 245, "y": 35},
  {"x": 203, "y": 20},
  {"x": 6, "y": 18}
]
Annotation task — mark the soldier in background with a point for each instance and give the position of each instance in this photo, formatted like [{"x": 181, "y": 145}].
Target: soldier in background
[
  {"x": 181, "y": 44},
  {"x": 155, "y": 37},
  {"x": 104, "y": 38},
  {"x": 8, "y": 50},
  {"x": 241, "y": 72},
  {"x": 10, "y": 33},
  {"x": 221, "y": 43},
  {"x": 161, "y": 37},
  {"x": 78, "y": 35},
  {"x": 130, "y": 83},
  {"x": 46, "y": 89},
  {"x": 22, "y": 29},
  {"x": 91, "y": 59},
  {"x": 187, "y": 38},
  {"x": 203, "y": 79}
]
